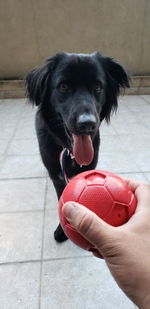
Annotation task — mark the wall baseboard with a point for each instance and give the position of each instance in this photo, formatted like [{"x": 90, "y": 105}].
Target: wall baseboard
[{"x": 14, "y": 89}]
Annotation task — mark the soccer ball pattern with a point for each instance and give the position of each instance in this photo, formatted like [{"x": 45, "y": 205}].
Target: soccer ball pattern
[{"x": 104, "y": 193}]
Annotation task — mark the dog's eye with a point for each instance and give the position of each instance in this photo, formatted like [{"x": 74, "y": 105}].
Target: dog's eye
[
  {"x": 64, "y": 87},
  {"x": 97, "y": 87}
]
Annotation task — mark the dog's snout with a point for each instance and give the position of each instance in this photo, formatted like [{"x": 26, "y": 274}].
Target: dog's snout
[{"x": 86, "y": 123}]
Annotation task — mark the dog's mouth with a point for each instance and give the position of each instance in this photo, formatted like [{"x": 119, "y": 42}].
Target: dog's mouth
[{"x": 82, "y": 149}]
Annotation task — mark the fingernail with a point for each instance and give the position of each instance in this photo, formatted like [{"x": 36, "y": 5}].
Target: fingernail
[{"x": 69, "y": 210}]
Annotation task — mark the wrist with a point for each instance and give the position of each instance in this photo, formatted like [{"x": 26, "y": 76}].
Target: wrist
[
  {"x": 140, "y": 292},
  {"x": 140, "y": 297},
  {"x": 145, "y": 304}
]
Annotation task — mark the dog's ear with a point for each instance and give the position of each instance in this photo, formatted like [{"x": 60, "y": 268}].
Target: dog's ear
[
  {"x": 116, "y": 79},
  {"x": 37, "y": 81}
]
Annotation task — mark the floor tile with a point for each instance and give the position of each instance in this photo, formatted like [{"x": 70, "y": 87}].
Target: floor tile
[
  {"x": 146, "y": 98},
  {"x": 7, "y": 130},
  {"x": 123, "y": 113},
  {"x": 23, "y": 147},
  {"x": 12, "y": 104},
  {"x": 20, "y": 236},
  {"x": 147, "y": 175},
  {"x": 26, "y": 126},
  {"x": 111, "y": 144},
  {"x": 25, "y": 132},
  {"x": 126, "y": 128},
  {"x": 131, "y": 123},
  {"x": 119, "y": 162},
  {"x": 107, "y": 129},
  {"x": 22, "y": 166},
  {"x": 142, "y": 159},
  {"x": 139, "y": 151},
  {"x": 134, "y": 102},
  {"x": 52, "y": 249},
  {"x": 19, "y": 286},
  {"x": 80, "y": 283},
  {"x": 137, "y": 176},
  {"x": 11, "y": 115},
  {"x": 3, "y": 146},
  {"x": 135, "y": 144},
  {"x": 51, "y": 196},
  {"x": 22, "y": 195}
]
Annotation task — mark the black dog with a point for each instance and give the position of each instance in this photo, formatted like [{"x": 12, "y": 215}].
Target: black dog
[{"x": 74, "y": 93}]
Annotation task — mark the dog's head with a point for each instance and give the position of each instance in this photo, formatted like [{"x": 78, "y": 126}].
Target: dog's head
[{"x": 81, "y": 89}]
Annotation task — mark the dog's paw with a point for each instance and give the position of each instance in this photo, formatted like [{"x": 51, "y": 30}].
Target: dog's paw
[{"x": 59, "y": 234}]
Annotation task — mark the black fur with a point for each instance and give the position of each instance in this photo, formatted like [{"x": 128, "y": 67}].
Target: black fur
[{"x": 67, "y": 86}]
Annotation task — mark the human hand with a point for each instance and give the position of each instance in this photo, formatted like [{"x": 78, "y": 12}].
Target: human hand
[{"x": 126, "y": 249}]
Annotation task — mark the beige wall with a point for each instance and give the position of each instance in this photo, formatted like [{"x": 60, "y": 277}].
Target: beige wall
[{"x": 33, "y": 30}]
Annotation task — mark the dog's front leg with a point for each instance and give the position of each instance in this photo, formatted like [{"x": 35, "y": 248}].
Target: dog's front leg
[
  {"x": 59, "y": 184},
  {"x": 50, "y": 153}
]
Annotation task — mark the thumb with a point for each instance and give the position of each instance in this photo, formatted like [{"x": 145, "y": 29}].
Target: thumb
[{"x": 89, "y": 225}]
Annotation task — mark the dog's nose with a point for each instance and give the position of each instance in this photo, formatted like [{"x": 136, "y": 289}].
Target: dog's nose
[{"x": 86, "y": 123}]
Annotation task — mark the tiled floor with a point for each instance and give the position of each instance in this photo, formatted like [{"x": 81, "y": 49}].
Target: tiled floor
[{"x": 35, "y": 271}]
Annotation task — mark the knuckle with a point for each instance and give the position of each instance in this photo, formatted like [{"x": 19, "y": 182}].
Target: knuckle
[
  {"x": 85, "y": 224},
  {"x": 146, "y": 189}
]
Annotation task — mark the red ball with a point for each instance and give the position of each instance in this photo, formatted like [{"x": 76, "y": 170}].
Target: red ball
[{"x": 104, "y": 193}]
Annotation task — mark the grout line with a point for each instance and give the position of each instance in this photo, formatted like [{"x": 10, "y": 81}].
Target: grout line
[
  {"x": 146, "y": 177},
  {"x": 24, "y": 139},
  {"x": 18, "y": 120},
  {"x": 22, "y": 155},
  {"x": 42, "y": 247},
  {"x": 138, "y": 172},
  {"x": 144, "y": 99},
  {"x": 46, "y": 260},
  {"x": 46, "y": 177},
  {"x": 23, "y": 178},
  {"x": 21, "y": 211}
]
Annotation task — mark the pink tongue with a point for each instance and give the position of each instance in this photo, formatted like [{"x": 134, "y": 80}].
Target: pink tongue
[{"x": 83, "y": 150}]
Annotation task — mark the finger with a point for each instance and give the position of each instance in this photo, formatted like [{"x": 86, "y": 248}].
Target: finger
[
  {"x": 142, "y": 193},
  {"x": 133, "y": 183},
  {"x": 143, "y": 197},
  {"x": 94, "y": 229}
]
